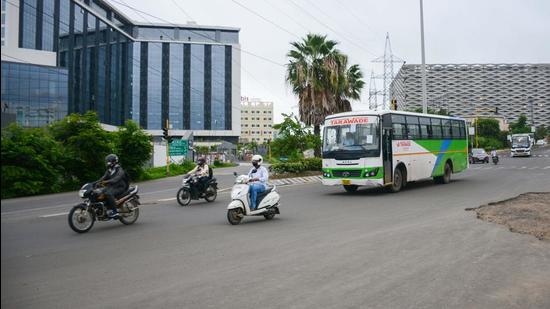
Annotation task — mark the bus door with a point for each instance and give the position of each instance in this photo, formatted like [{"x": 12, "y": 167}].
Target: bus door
[{"x": 387, "y": 155}]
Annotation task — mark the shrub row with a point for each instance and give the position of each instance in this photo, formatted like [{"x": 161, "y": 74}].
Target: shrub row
[{"x": 312, "y": 164}]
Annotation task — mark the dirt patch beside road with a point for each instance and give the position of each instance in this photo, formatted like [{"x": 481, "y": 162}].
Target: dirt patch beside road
[{"x": 527, "y": 213}]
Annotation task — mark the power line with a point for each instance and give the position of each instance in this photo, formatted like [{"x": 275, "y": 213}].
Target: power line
[
  {"x": 330, "y": 28},
  {"x": 265, "y": 19},
  {"x": 181, "y": 9},
  {"x": 197, "y": 33}
]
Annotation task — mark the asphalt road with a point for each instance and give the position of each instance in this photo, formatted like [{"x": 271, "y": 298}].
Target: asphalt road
[{"x": 328, "y": 249}]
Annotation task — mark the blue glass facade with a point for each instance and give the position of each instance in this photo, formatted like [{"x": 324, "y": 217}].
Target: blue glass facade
[
  {"x": 115, "y": 70},
  {"x": 154, "y": 86},
  {"x": 176, "y": 111},
  {"x": 218, "y": 88},
  {"x": 197, "y": 87},
  {"x": 37, "y": 95}
]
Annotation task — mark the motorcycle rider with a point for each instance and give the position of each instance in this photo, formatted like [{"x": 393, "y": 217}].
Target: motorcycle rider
[
  {"x": 493, "y": 153},
  {"x": 115, "y": 182},
  {"x": 202, "y": 171},
  {"x": 258, "y": 179}
]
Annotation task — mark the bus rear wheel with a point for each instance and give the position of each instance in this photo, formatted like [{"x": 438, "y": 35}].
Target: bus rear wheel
[
  {"x": 397, "y": 183},
  {"x": 446, "y": 178},
  {"x": 351, "y": 188}
]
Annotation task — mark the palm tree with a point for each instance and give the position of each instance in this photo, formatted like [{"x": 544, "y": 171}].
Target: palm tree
[{"x": 319, "y": 75}]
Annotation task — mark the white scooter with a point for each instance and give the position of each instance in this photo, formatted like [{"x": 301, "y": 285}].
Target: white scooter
[{"x": 267, "y": 202}]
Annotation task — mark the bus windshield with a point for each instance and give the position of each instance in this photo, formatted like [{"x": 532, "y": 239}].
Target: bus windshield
[
  {"x": 361, "y": 139},
  {"x": 520, "y": 142}
]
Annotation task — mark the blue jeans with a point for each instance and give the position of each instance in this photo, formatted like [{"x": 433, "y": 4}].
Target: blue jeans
[{"x": 255, "y": 188}]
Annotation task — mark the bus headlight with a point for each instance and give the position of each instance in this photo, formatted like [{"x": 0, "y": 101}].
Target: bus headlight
[
  {"x": 326, "y": 174},
  {"x": 372, "y": 172}
]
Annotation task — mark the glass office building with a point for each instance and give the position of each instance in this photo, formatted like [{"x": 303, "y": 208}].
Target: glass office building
[{"x": 184, "y": 74}]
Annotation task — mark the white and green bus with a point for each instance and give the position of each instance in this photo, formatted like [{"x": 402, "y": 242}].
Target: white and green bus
[{"x": 391, "y": 148}]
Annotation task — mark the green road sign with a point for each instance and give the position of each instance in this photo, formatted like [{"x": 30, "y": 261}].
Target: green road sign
[{"x": 179, "y": 147}]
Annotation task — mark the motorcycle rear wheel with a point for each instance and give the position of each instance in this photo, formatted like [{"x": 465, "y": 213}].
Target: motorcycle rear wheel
[
  {"x": 81, "y": 220},
  {"x": 210, "y": 194},
  {"x": 130, "y": 218},
  {"x": 184, "y": 196}
]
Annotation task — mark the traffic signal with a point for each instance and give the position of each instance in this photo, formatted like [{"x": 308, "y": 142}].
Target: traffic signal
[
  {"x": 496, "y": 109},
  {"x": 394, "y": 104}
]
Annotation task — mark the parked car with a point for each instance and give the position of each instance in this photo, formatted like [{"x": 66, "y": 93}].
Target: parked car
[
  {"x": 478, "y": 155},
  {"x": 541, "y": 142}
]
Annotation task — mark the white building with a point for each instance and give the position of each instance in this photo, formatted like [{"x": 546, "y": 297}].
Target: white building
[{"x": 256, "y": 120}]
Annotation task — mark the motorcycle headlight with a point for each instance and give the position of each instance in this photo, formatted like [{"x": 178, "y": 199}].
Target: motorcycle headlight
[{"x": 81, "y": 193}]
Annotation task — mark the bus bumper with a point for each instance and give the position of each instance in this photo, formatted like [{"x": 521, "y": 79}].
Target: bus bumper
[{"x": 356, "y": 182}]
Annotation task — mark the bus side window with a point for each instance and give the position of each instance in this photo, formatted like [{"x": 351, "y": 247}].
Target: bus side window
[
  {"x": 436, "y": 128},
  {"x": 413, "y": 128},
  {"x": 447, "y": 128},
  {"x": 425, "y": 127},
  {"x": 455, "y": 129},
  {"x": 462, "y": 130},
  {"x": 399, "y": 127}
]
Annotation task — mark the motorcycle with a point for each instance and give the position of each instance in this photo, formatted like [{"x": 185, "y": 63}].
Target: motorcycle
[
  {"x": 267, "y": 202},
  {"x": 495, "y": 160},
  {"x": 83, "y": 216},
  {"x": 189, "y": 190}
]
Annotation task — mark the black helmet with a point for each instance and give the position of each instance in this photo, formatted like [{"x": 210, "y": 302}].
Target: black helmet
[
  {"x": 201, "y": 160},
  {"x": 111, "y": 160}
]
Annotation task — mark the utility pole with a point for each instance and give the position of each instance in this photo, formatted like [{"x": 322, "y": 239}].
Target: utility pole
[{"x": 423, "y": 68}]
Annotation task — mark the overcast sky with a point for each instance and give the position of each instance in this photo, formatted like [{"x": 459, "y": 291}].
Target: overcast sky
[{"x": 456, "y": 31}]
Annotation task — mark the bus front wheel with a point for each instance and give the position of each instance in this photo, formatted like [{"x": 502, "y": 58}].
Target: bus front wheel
[{"x": 397, "y": 183}]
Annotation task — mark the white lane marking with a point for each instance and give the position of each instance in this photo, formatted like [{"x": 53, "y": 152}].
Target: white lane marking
[
  {"x": 55, "y": 215},
  {"x": 547, "y": 167},
  {"x": 224, "y": 189},
  {"x": 167, "y": 199}
]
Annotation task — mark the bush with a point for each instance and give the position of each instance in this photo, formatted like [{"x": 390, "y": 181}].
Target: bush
[
  {"x": 313, "y": 164},
  {"x": 290, "y": 167},
  {"x": 133, "y": 147},
  {"x": 32, "y": 162},
  {"x": 85, "y": 144},
  {"x": 160, "y": 172},
  {"x": 489, "y": 143}
]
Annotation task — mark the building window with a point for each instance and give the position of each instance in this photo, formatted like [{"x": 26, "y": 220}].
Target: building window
[
  {"x": 154, "y": 86},
  {"x": 197, "y": 87},
  {"x": 29, "y": 24}
]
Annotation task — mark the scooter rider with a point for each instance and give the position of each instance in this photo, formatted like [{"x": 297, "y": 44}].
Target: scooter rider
[
  {"x": 494, "y": 153},
  {"x": 258, "y": 179},
  {"x": 201, "y": 171},
  {"x": 115, "y": 182}
]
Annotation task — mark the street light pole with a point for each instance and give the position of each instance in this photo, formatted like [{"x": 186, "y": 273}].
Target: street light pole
[{"x": 423, "y": 67}]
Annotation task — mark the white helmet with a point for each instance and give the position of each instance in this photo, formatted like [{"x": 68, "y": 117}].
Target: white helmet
[{"x": 257, "y": 158}]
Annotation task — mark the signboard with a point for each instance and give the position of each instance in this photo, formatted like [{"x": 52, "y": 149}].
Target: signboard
[
  {"x": 179, "y": 147},
  {"x": 351, "y": 120},
  {"x": 472, "y": 130}
]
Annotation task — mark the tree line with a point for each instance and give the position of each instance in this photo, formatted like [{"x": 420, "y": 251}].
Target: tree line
[{"x": 68, "y": 153}]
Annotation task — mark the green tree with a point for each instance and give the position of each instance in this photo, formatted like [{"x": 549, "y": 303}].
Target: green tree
[
  {"x": 133, "y": 147},
  {"x": 319, "y": 75},
  {"x": 488, "y": 127},
  {"x": 520, "y": 126},
  {"x": 32, "y": 162},
  {"x": 85, "y": 144},
  {"x": 294, "y": 137},
  {"x": 541, "y": 133}
]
